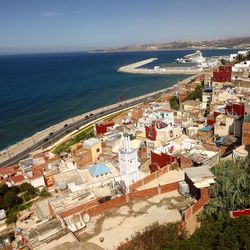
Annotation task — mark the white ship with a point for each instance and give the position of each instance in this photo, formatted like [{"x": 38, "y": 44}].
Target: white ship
[{"x": 195, "y": 57}]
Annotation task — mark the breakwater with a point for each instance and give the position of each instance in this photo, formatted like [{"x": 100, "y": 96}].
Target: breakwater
[{"x": 134, "y": 69}]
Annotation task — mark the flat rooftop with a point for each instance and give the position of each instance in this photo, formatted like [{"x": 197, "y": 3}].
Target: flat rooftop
[
  {"x": 71, "y": 200},
  {"x": 200, "y": 176},
  {"x": 67, "y": 177}
]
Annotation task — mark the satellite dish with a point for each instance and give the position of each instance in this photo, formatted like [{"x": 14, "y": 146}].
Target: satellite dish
[{"x": 86, "y": 218}]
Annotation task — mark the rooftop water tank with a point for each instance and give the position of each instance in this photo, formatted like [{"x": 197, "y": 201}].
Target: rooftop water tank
[
  {"x": 86, "y": 218},
  {"x": 62, "y": 186},
  {"x": 183, "y": 188}
]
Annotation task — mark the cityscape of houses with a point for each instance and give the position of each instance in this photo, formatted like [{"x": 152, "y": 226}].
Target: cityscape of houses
[{"x": 151, "y": 150}]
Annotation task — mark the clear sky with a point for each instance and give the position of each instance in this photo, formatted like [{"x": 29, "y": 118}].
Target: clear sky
[{"x": 65, "y": 25}]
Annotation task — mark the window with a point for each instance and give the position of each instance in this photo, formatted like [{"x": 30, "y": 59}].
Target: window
[{"x": 97, "y": 150}]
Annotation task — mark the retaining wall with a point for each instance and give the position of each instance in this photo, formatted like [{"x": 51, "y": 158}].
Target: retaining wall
[
  {"x": 93, "y": 208},
  {"x": 191, "y": 211}
]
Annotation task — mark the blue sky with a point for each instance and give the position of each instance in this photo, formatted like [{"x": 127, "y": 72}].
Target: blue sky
[{"x": 73, "y": 25}]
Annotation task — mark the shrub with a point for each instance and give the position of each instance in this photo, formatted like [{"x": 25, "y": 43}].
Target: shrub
[
  {"x": 11, "y": 218},
  {"x": 3, "y": 189},
  {"x": 231, "y": 190},
  {"x": 10, "y": 200},
  {"x": 26, "y": 197},
  {"x": 27, "y": 187},
  {"x": 197, "y": 94},
  {"x": 227, "y": 233},
  {"x": 174, "y": 103},
  {"x": 44, "y": 193}
]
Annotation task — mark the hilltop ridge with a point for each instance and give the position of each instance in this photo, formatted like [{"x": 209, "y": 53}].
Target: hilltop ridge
[{"x": 235, "y": 43}]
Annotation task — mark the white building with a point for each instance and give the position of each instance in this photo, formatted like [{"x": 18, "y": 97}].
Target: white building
[
  {"x": 37, "y": 179},
  {"x": 128, "y": 164},
  {"x": 232, "y": 57},
  {"x": 239, "y": 67}
]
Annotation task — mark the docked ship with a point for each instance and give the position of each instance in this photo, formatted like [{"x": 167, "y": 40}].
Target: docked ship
[{"x": 195, "y": 57}]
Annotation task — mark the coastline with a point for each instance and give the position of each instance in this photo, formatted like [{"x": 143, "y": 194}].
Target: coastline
[
  {"x": 25, "y": 144},
  {"x": 155, "y": 50}
]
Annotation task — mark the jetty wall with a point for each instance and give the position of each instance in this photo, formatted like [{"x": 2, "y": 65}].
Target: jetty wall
[{"x": 134, "y": 69}]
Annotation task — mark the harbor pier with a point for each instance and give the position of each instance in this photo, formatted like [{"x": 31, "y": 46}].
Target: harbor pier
[{"x": 134, "y": 68}]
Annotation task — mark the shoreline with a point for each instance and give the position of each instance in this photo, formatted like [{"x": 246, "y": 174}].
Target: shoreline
[
  {"x": 25, "y": 144},
  {"x": 152, "y": 50}
]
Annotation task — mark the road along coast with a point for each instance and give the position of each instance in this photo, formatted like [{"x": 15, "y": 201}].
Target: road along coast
[
  {"x": 134, "y": 69},
  {"x": 50, "y": 136}
]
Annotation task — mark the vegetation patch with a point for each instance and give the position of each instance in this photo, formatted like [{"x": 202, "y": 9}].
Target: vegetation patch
[
  {"x": 65, "y": 147},
  {"x": 85, "y": 134},
  {"x": 231, "y": 190},
  {"x": 227, "y": 233},
  {"x": 174, "y": 103},
  {"x": 18, "y": 198},
  {"x": 197, "y": 94}
]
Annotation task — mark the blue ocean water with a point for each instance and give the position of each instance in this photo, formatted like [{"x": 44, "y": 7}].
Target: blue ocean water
[{"x": 37, "y": 91}]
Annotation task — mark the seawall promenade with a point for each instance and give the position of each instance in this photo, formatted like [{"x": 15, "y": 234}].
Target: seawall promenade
[
  {"x": 134, "y": 69},
  {"x": 49, "y": 136}
]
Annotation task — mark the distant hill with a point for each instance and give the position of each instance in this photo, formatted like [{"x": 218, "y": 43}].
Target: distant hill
[{"x": 237, "y": 43}]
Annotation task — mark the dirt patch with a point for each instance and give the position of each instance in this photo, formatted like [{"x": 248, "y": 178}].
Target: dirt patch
[
  {"x": 78, "y": 246},
  {"x": 117, "y": 224}
]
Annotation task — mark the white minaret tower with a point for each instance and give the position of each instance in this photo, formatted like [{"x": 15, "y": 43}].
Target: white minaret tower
[{"x": 128, "y": 163}]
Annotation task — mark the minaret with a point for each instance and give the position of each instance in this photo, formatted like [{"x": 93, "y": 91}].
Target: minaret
[
  {"x": 126, "y": 142},
  {"x": 128, "y": 163}
]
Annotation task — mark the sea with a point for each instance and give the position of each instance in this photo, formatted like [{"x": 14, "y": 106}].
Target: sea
[{"x": 39, "y": 90}]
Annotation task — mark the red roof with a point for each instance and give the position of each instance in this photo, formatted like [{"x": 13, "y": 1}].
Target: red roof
[
  {"x": 36, "y": 174},
  {"x": 239, "y": 213},
  {"x": 8, "y": 170},
  {"x": 17, "y": 179},
  {"x": 37, "y": 168}
]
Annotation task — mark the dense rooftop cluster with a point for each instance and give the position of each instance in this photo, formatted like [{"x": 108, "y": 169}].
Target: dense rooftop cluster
[{"x": 166, "y": 144}]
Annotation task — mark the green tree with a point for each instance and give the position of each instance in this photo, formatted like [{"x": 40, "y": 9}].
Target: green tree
[
  {"x": 11, "y": 218},
  {"x": 14, "y": 189},
  {"x": 174, "y": 103},
  {"x": 231, "y": 190},
  {"x": 10, "y": 200},
  {"x": 3, "y": 189},
  {"x": 27, "y": 187},
  {"x": 44, "y": 193},
  {"x": 26, "y": 197},
  {"x": 197, "y": 94}
]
